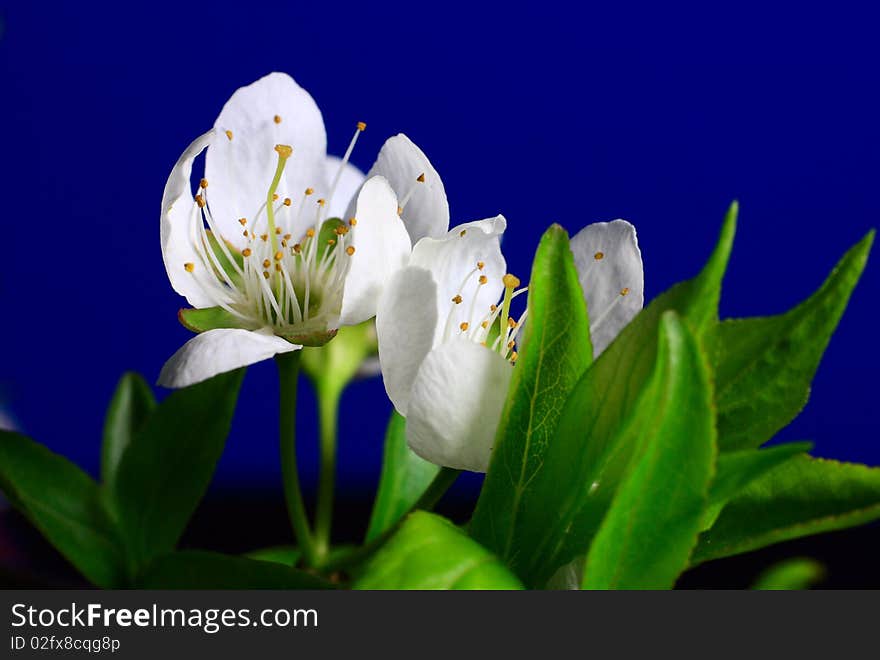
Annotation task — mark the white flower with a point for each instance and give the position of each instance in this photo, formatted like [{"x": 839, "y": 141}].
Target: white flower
[
  {"x": 447, "y": 343},
  {"x": 282, "y": 275}
]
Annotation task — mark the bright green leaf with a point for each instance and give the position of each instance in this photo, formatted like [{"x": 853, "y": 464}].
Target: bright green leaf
[
  {"x": 168, "y": 465},
  {"x": 764, "y": 365},
  {"x": 800, "y": 497},
  {"x": 65, "y": 504},
  {"x": 132, "y": 403},
  {"x": 195, "y": 569},
  {"x": 405, "y": 478},
  {"x": 555, "y": 351},
  {"x": 429, "y": 552},
  {"x": 647, "y": 535},
  {"x": 791, "y": 575}
]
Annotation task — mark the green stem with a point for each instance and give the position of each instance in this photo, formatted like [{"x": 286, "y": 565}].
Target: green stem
[
  {"x": 328, "y": 410},
  {"x": 288, "y": 374},
  {"x": 436, "y": 489}
]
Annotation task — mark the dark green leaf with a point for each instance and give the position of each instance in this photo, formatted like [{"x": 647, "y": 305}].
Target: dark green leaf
[
  {"x": 555, "y": 352},
  {"x": 65, "y": 504},
  {"x": 280, "y": 554},
  {"x": 764, "y": 366},
  {"x": 132, "y": 403},
  {"x": 194, "y": 569},
  {"x": 590, "y": 451},
  {"x": 802, "y": 496},
  {"x": 169, "y": 463},
  {"x": 651, "y": 527},
  {"x": 791, "y": 574},
  {"x": 429, "y": 552},
  {"x": 405, "y": 478}
]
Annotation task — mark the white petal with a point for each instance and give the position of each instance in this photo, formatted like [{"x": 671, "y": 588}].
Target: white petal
[
  {"x": 617, "y": 269},
  {"x": 381, "y": 249},
  {"x": 217, "y": 351},
  {"x": 427, "y": 211},
  {"x": 452, "y": 261},
  {"x": 178, "y": 206},
  {"x": 406, "y": 322},
  {"x": 240, "y": 170},
  {"x": 456, "y": 404},
  {"x": 349, "y": 183}
]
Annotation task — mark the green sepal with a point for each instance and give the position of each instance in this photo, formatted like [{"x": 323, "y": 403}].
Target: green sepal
[{"x": 790, "y": 575}]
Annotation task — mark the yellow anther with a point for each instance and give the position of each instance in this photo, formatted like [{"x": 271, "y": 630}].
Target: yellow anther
[
  {"x": 399, "y": 210},
  {"x": 283, "y": 150},
  {"x": 340, "y": 230},
  {"x": 310, "y": 232},
  {"x": 484, "y": 324},
  {"x": 349, "y": 250},
  {"x": 244, "y": 233},
  {"x": 283, "y": 243},
  {"x": 492, "y": 308},
  {"x": 266, "y": 274},
  {"x": 462, "y": 232},
  {"x": 352, "y": 221},
  {"x": 510, "y": 322},
  {"x": 457, "y": 299},
  {"x": 277, "y": 119},
  {"x": 279, "y": 255},
  {"x": 510, "y": 281},
  {"x": 228, "y": 134},
  {"x": 421, "y": 178},
  {"x": 483, "y": 279},
  {"x": 266, "y": 263},
  {"x": 242, "y": 221},
  {"x": 624, "y": 291},
  {"x": 287, "y": 201},
  {"x": 200, "y": 201},
  {"x": 513, "y": 357},
  {"x": 310, "y": 191},
  {"x": 331, "y": 241},
  {"x": 189, "y": 267},
  {"x": 278, "y": 231},
  {"x": 203, "y": 184},
  {"x": 286, "y": 237},
  {"x": 278, "y": 267},
  {"x": 361, "y": 126},
  {"x": 246, "y": 252},
  {"x": 265, "y": 237},
  {"x": 321, "y": 202},
  {"x": 511, "y": 344},
  {"x": 481, "y": 265},
  {"x": 274, "y": 197},
  {"x": 297, "y": 248},
  {"x": 464, "y": 326},
  {"x": 598, "y": 256}
]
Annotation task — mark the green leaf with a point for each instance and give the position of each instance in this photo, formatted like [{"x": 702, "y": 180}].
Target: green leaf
[
  {"x": 429, "y": 552},
  {"x": 590, "y": 451},
  {"x": 280, "y": 554},
  {"x": 800, "y": 497},
  {"x": 195, "y": 569},
  {"x": 168, "y": 465},
  {"x": 132, "y": 404},
  {"x": 555, "y": 352},
  {"x": 65, "y": 504},
  {"x": 651, "y": 527},
  {"x": 736, "y": 469},
  {"x": 764, "y": 365},
  {"x": 405, "y": 478},
  {"x": 790, "y": 575}
]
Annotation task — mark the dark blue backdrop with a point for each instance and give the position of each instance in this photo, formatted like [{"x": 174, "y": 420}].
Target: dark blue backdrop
[{"x": 550, "y": 113}]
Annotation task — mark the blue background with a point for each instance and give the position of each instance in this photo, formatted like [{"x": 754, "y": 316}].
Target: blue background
[{"x": 551, "y": 113}]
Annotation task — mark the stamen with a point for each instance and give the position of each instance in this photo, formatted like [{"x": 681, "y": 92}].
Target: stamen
[
  {"x": 409, "y": 193},
  {"x": 228, "y": 134},
  {"x": 284, "y": 151},
  {"x": 189, "y": 267},
  {"x": 599, "y": 256},
  {"x": 277, "y": 119}
]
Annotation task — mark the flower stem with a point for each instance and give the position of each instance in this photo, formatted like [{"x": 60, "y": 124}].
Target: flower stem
[
  {"x": 288, "y": 374},
  {"x": 328, "y": 410}
]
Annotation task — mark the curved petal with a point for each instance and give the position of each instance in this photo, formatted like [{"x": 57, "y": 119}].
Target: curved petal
[
  {"x": 239, "y": 169},
  {"x": 218, "y": 351},
  {"x": 609, "y": 265},
  {"x": 381, "y": 248},
  {"x": 456, "y": 403},
  {"x": 453, "y": 259},
  {"x": 406, "y": 321},
  {"x": 345, "y": 194},
  {"x": 426, "y": 213},
  {"x": 178, "y": 207}
]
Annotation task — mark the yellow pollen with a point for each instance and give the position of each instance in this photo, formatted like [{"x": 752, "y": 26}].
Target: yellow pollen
[
  {"x": 352, "y": 221},
  {"x": 483, "y": 279},
  {"x": 266, "y": 263},
  {"x": 287, "y": 201},
  {"x": 510, "y": 281},
  {"x": 228, "y": 134},
  {"x": 598, "y": 256},
  {"x": 510, "y": 322},
  {"x": 242, "y": 221},
  {"x": 492, "y": 308},
  {"x": 265, "y": 237},
  {"x": 330, "y": 241},
  {"x": 321, "y": 202},
  {"x": 274, "y": 197},
  {"x": 246, "y": 252},
  {"x": 310, "y": 191},
  {"x": 421, "y": 178},
  {"x": 457, "y": 300},
  {"x": 361, "y": 126},
  {"x": 349, "y": 250},
  {"x": 200, "y": 201},
  {"x": 277, "y": 119},
  {"x": 513, "y": 357},
  {"x": 203, "y": 184},
  {"x": 283, "y": 150},
  {"x": 481, "y": 265},
  {"x": 624, "y": 291},
  {"x": 464, "y": 326},
  {"x": 279, "y": 255},
  {"x": 189, "y": 267},
  {"x": 462, "y": 232},
  {"x": 484, "y": 324},
  {"x": 266, "y": 274},
  {"x": 310, "y": 232},
  {"x": 340, "y": 230}
]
